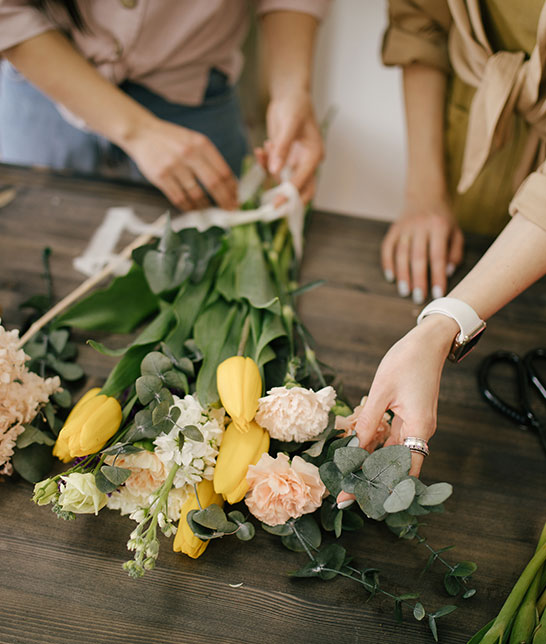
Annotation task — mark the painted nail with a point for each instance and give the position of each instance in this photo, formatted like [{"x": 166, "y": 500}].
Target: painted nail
[
  {"x": 354, "y": 442},
  {"x": 389, "y": 275},
  {"x": 417, "y": 296},
  {"x": 343, "y": 505},
  {"x": 403, "y": 289},
  {"x": 450, "y": 269},
  {"x": 437, "y": 291}
]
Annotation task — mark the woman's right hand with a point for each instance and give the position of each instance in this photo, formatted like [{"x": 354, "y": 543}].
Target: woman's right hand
[
  {"x": 426, "y": 239},
  {"x": 183, "y": 164}
]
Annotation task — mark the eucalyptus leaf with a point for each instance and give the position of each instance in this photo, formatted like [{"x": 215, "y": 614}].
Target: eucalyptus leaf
[
  {"x": 126, "y": 371},
  {"x": 193, "y": 433},
  {"x": 279, "y": 530},
  {"x": 58, "y": 339},
  {"x": 419, "y": 611},
  {"x": 451, "y": 584},
  {"x": 309, "y": 532},
  {"x": 349, "y": 459},
  {"x": 147, "y": 387},
  {"x": 245, "y": 531},
  {"x": 328, "y": 513},
  {"x": 338, "y": 524},
  {"x": 401, "y": 497},
  {"x": 176, "y": 380},
  {"x": 433, "y": 627},
  {"x": 236, "y": 516},
  {"x": 212, "y": 517},
  {"x": 155, "y": 364},
  {"x": 443, "y": 611},
  {"x": 331, "y": 477},
  {"x": 116, "y": 475},
  {"x": 32, "y": 435},
  {"x": 352, "y": 521},
  {"x": 33, "y": 463},
  {"x": 464, "y": 569},
  {"x": 62, "y": 398},
  {"x": 388, "y": 465},
  {"x": 67, "y": 370},
  {"x": 435, "y": 494},
  {"x": 143, "y": 427},
  {"x": 371, "y": 497},
  {"x": 122, "y": 448}
]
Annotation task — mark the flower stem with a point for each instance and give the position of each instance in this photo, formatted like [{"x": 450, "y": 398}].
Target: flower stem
[{"x": 244, "y": 336}]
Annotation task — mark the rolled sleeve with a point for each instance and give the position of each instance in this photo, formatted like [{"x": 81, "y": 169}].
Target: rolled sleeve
[
  {"x": 19, "y": 21},
  {"x": 417, "y": 33},
  {"x": 530, "y": 199},
  {"x": 316, "y": 8}
]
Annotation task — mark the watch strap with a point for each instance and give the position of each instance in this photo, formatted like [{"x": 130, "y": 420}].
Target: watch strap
[{"x": 465, "y": 316}]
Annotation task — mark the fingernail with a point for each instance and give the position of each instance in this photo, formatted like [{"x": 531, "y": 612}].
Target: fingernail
[
  {"x": 437, "y": 291},
  {"x": 450, "y": 269},
  {"x": 389, "y": 275},
  {"x": 343, "y": 505},
  {"x": 417, "y": 295},
  {"x": 354, "y": 442},
  {"x": 403, "y": 289},
  {"x": 275, "y": 165}
]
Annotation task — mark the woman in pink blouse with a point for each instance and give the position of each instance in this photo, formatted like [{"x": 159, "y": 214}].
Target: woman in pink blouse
[{"x": 153, "y": 82}]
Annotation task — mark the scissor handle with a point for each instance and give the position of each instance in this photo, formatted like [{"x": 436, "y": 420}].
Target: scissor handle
[
  {"x": 522, "y": 416},
  {"x": 533, "y": 375}
]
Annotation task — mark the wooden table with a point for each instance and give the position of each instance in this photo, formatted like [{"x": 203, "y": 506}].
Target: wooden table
[{"x": 63, "y": 582}]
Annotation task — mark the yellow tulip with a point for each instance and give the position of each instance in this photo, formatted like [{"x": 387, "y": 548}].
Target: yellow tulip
[
  {"x": 185, "y": 541},
  {"x": 92, "y": 422},
  {"x": 236, "y": 453},
  {"x": 239, "y": 386}
]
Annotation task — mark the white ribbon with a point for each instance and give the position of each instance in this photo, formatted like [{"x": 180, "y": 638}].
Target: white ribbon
[{"x": 101, "y": 249}]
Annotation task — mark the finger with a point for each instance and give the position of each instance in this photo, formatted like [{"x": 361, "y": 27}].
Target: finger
[
  {"x": 218, "y": 186},
  {"x": 280, "y": 145},
  {"x": 344, "y": 500},
  {"x": 419, "y": 266},
  {"x": 305, "y": 165},
  {"x": 438, "y": 262},
  {"x": 402, "y": 264},
  {"x": 387, "y": 253},
  {"x": 174, "y": 193},
  {"x": 261, "y": 157},
  {"x": 308, "y": 191},
  {"x": 455, "y": 252},
  {"x": 416, "y": 464},
  {"x": 190, "y": 186}
]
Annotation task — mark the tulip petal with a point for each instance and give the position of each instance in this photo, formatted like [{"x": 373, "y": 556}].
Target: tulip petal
[
  {"x": 240, "y": 386},
  {"x": 185, "y": 541},
  {"x": 76, "y": 410},
  {"x": 101, "y": 424},
  {"x": 239, "y": 492}
]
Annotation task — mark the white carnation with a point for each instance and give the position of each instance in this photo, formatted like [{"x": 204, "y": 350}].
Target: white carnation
[{"x": 295, "y": 414}]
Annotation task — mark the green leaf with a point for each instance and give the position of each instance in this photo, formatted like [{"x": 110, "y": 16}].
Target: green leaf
[
  {"x": 419, "y": 611},
  {"x": 444, "y": 610},
  {"x": 168, "y": 266},
  {"x": 122, "y": 448},
  {"x": 451, "y": 584},
  {"x": 469, "y": 593},
  {"x": 253, "y": 281},
  {"x": 155, "y": 364},
  {"x": 403, "y": 524},
  {"x": 328, "y": 513},
  {"x": 143, "y": 427},
  {"x": 349, "y": 459},
  {"x": 212, "y": 517},
  {"x": 236, "y": 516},
  {"x": 401, "y": 497},
  {"x": 435, "y": 494},
  {"x": 40, "y": 303},
  {"x": 331, "y": 477},
  {"x": 67, "y": 370},
  {"x": 246, "y": 531},
  {"x": 62, "y": 398},
  {"x": 203, "y": 245},
  {"x": 433, "y": 627},
  {"x": 309, "y": 533},
  {"x": 126, "y": 371},
  {"x": 103, "y": 484},
  {"x": 271, "y": 329},
  {"x": 279, "y": 530},
  {"x": 58, "y": 339},
  {"x": 333, "y": 557},
  {"x": 147, "y": 387},
  {"x": 477, "y": 638},
  {"x": 32, "y": 435},
  {"x": 371, "y": 497},
  {"x": 116, "y": 475},
  {"x": 388, "y": 465},
  {"x": 50, "y": 415},
  {"x": 176, "y": 380},
  {"x": 33, "y": 463},
  {"x": 464, "y": 569},
  {"x": 338, "y": 523},
  {"x": 160, "y": 412},
  {"x": 352, "y": 521},
  {"x": 307, "y": 287},
  {"x": 191, "y": 432},
  {"x": 114, "y": 309}
]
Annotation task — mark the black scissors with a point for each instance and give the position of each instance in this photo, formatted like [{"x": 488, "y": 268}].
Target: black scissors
[{"x": 526, "y": 376}]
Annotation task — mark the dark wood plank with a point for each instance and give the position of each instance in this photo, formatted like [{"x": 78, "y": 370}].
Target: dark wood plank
[{"x": 64, "y": 582}]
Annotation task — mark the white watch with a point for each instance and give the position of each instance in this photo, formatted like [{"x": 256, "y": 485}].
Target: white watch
[{"x": 470, "y": 323}]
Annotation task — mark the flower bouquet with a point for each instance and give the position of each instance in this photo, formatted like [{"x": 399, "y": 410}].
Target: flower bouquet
[{"x": 218, "y": 417}]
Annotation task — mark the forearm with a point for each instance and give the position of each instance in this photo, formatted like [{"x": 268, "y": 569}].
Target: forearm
[
  {"x": 51, "y": 63},
  {"x": 424, "y": 96},
  {"x": 515, "y": 260},
  {"x": 289, "y": 38}
]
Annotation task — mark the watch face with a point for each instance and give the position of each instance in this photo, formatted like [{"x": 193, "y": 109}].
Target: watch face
[{"x": 460, "y": 349}]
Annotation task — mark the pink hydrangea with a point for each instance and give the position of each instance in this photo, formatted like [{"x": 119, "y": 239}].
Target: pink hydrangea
[{"x": 280, "y": 490}]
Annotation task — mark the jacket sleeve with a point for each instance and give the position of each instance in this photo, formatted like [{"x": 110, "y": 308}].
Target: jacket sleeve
[
  {"x": 19, "y": 21},
  {"x": 530, "y": 198},
  {"x": 417, "y": 33}
]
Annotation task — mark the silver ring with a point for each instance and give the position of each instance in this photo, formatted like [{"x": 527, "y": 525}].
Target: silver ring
[{"x": 416, "y": 444}]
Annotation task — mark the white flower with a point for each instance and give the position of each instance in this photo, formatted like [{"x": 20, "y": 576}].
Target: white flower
[
  {"x": 295, "y": 414},
  {"x": 128, "y": 502},
  {"x": 196, "y": 458},
  {"x": 80, "y": 494}
]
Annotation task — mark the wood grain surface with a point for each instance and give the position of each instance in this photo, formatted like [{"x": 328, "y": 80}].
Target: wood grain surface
[{"x": 63, "y": 582}]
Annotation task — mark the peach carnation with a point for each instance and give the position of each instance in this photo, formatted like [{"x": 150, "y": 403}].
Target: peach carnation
[
  {"x": 280, "y": 491},
  {"x": 295, "y": 414},
  {"x": 22, "y": 393},
  {"x": 348, "y": 425}
]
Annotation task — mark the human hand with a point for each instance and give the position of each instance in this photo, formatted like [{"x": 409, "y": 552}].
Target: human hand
[
  {"x": 183, "y": 164},
  {"x": 408, "y": 383},
  {"x": 294, "y": 140},
  {"x": 425, "y": 237}
]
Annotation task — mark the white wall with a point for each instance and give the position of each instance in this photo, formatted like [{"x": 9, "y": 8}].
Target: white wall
[{"x": 364, "y": 169}]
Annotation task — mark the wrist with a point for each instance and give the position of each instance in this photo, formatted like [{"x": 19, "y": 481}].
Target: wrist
[
  {"x": 440, "y": 330},
  {"x": 128, "y": 130}
]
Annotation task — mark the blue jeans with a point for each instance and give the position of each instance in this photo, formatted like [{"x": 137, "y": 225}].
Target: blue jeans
[{"x": 32, "y": 132}]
